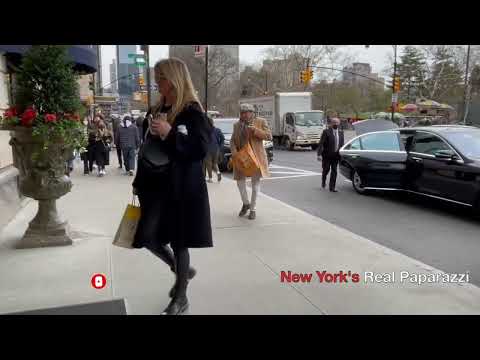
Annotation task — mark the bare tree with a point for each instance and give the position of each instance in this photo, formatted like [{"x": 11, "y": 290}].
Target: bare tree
[
  {"x": 285, "y": 62},
  {"x": 221, "y": 66},
  {"x": 223, "y": 79}
]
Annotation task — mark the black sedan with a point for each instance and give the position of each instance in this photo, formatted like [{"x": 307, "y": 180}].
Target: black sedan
[
  {"x": 442, "y": 162},
  {"x": 226, "y": 125}
]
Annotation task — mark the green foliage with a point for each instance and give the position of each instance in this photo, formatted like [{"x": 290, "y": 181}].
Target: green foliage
[
  {"x": 46, "y": 80},
  {"x": 413, "y": 73},
  {"x": 47, "y": 87},
  {"x": 351, "y": 100}
]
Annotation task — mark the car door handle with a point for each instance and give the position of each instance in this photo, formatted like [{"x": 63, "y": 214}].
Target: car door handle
[
  {"x": 352, "y": 155},
  {"x": 417, "y": 160}
]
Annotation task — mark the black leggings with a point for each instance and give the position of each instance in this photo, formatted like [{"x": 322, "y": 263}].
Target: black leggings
[{"x": 179, "y": 262}]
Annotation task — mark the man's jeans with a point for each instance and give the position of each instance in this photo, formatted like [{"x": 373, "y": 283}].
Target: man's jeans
[
  {"x": 129, "y": 158},
  {"x": 242, "y": 186}
]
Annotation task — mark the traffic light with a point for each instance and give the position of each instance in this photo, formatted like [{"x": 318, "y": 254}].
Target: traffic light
[
  {"x": 396, "y": 84},
  {"x": 303, "y": 76},
  {"x": 306, "y": 75}
]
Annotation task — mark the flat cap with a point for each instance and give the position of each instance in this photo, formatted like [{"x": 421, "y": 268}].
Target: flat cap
[{"x": 246, "y": 107}]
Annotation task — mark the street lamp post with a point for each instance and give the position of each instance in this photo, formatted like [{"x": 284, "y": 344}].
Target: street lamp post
[
  {"x": 146, "y": 51},
  {"x": 465, "y": 93},
  {"x": 393, "y": 80},
  {"x": 206, "y": 78}
]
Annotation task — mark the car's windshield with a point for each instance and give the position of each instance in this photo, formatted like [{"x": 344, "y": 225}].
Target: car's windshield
[
  {"x": 225, "y": 126},
  {"x": 309, "y": 119},
  {"x": 466, "y": 141}
]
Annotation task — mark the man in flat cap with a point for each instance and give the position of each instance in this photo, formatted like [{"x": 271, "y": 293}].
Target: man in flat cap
[{"x": 253, "y": 130}]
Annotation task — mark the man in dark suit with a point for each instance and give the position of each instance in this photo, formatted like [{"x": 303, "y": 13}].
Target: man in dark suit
[{"x": 330, "y": 143}]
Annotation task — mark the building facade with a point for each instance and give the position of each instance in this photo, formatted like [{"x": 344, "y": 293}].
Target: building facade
[
  {"x": 113, "y": 77},
  {"x": 125, "y": 70},
  {"x": 363, "y": 81}
]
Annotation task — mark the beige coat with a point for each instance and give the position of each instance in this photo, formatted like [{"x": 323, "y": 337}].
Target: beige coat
[{"x": 262, "y": 132}]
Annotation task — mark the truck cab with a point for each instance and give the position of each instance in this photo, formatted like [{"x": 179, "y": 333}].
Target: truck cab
[{"x": 303, "y": 128}]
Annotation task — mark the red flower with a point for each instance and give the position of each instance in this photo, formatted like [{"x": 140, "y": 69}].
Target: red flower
[
  {"x": 50, "y": 118},
  {"x": 12, "y": 112},
  {"x": 28, "y": 117}
]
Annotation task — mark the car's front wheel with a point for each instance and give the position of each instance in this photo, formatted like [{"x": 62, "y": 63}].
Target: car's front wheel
[
  {"x": 315, "y": 147},
  {"x": 358, "y": 183}
]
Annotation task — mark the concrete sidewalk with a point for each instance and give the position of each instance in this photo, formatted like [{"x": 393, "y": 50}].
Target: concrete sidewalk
[{"x": 240, "y": 275}]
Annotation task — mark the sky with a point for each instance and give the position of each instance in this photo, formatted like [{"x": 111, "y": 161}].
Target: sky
[{"x": 376, "y": 55}]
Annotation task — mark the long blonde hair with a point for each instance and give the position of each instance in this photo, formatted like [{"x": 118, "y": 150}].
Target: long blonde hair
[{"x": 176, "y": 71}]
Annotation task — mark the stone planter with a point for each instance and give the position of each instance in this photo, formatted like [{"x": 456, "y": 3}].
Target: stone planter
[{"x": 42, "y": 178}]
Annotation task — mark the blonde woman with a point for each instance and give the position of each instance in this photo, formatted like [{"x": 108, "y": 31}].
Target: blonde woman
[{"x": 169, "y": 182}]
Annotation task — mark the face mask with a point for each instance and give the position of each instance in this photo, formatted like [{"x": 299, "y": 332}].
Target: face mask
[{"x": 335, "y": 127}]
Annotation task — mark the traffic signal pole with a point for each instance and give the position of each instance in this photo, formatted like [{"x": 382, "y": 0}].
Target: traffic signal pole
[
  {"x": 206, "y": 79},
  {"x": 394, "y": 80},
  {"x": 146, "y": 51},
  {"x": 465, "y": 92}
]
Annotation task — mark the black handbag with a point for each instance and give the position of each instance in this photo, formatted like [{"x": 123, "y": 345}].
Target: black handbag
[{"x": 152, "y": 157}]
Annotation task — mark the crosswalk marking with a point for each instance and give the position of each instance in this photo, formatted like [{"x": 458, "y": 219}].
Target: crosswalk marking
[{"x": 285, "y": 172}]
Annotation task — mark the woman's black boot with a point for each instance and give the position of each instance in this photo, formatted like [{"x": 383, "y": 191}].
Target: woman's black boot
[
  {"x": 191, "y": 274},
  {"x": 177, "y": 306}
]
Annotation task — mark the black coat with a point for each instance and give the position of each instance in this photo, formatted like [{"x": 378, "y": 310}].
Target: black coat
[
  {"x": 176, "y": 207},
  {"x": 326, "y": 148},
  {"x": 128, "y": 137}
]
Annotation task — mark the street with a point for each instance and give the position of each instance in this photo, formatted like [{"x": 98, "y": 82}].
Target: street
[{"x": 442, "y": 235}]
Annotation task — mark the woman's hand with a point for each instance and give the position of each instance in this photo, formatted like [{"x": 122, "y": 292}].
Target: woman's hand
[{"x": 161, "y": 127}]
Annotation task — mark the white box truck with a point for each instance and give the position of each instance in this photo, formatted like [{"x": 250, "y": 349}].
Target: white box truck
[{"x": 291, "y": 118}]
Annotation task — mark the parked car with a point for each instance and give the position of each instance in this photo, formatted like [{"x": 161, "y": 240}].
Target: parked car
[
  {"x": 226, "y": 125},
  {"x": 441, "y": 161}
]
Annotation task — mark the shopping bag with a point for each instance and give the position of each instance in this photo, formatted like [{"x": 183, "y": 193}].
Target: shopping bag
[
  {"x": 128, "y": 226},
  {"x": 245, "y": 161}
]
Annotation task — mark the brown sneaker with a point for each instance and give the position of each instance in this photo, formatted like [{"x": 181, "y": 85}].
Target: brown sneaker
[
  {"x": 252, "y": 215},
  {"x": 244, "y": 210}
]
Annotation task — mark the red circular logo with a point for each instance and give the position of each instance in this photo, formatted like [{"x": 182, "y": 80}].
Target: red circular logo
[{"x": 99, "y": 281}]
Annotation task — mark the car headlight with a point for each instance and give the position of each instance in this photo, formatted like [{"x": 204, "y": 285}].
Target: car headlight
[
  {"x": 301, "y": 137},
  {"x": 227, "y": 142}
]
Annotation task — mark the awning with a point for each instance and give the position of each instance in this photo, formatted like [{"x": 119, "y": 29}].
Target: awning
[{"x": 84, "y": 56}]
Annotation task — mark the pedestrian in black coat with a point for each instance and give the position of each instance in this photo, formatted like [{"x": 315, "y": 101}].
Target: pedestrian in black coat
[
  {"x": 128, "y": 141},
  {"x": 170, "y": 184},
  {"x": 328, "y": 152},
  {"x": 210, "y": 163}
]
